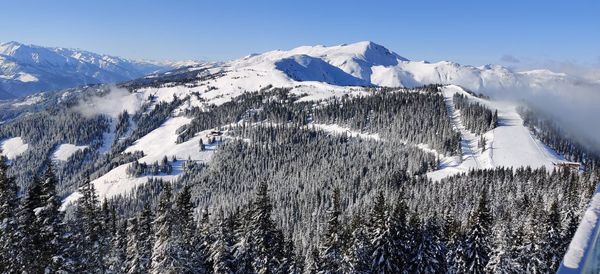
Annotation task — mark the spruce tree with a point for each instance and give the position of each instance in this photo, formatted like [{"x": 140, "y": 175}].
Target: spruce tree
[
  {"x": 477, "y": 243},
  {"x": 145, "y": 239},
  {"x": 164, "y": 253},
  {"x": 400, "y": 234},
  {"x": 243, "y": 250},
  {"x": 117, "y": 260},
  {"x": 133, "y": 264},
  {"x": 29, "y": 230},
  {"x": 264, "y": 234},
  {"x": 87, "y": 233},
  {"x": 357, "y": 256},
  {"x": 382, "y": 258},
  {"x": 427, "y": 253},
  {"x": 554, "y": 241},
  {"x": 503, "y": 259},
  {"x": 183, "y": 230},
  {"x": 220, "y": 250},
  {"x": 50, "y": 218},
  {"x": 331, "y": 249},
  {"x": 9, "y": 202}
]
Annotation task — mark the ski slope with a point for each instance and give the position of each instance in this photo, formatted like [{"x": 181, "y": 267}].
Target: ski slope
[
  {"x": 510, "y": 144},
  {"x": 155, "y": 145}
]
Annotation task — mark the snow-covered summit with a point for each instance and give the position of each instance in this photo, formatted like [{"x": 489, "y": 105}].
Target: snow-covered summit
[{"x": 369, "y": 64}]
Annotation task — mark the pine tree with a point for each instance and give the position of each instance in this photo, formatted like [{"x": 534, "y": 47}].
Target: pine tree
[
  {"x": 88, "y": 257},
  {"x": 332, "y": 246},
  {"x": 553, "y": 241},
  {"x": 183, "y": 230},
  {"x": 145, "y": 239},
  {"x": 357, "y": 256},
  {"x": 264, "y": 234},
  {"x": 133, "y": 264},
  {"x": 28, "y": 230},
  {"x": 164, "y": 252},
  {"x": 533, "y": 253},
  {"x": 313, "y": 262},
  {"x": 8, "y": 220},
  {"x": 503, "y": 259},
  {"x": 400, "y": 234},
  {"x": 382, "y": 258},
  {"x": 427, "y": 254},
  {"x": 117, "y": 262},
  {"x": 477, "y": 243},
  {"x": 243, "y": 251},
  {"x": 220, "y": 250},
  {"x": 50, "y": 218},
  {"x": 202, "y": 241}
]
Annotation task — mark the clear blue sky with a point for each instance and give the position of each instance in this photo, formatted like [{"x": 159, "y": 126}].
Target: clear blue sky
[{"x": 470, "y": 32}]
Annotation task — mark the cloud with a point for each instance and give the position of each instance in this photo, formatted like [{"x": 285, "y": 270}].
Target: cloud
[
  {"x": 573, "y": 103},
  {"x": 111, "y": 104},
  {"x": 507, "y": 58}
]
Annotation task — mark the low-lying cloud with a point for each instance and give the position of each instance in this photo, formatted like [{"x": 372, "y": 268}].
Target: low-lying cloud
[
  {"x": 574, "y": 103},
  {"x": 111, "y": 104}
]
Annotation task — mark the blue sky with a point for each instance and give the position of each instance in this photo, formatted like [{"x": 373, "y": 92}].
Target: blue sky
[{"x": 470, "y": 32}]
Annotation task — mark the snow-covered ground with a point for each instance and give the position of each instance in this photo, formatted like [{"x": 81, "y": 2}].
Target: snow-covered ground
[
  {"x": 64, "y": 151},
  {"x": 30, "y": 100},
  {"x": 510, "y": 144},
  {"x": 339, "y": 130},
  {"x": 13, "y": 147},
  {"x": 155, "y": 145}
]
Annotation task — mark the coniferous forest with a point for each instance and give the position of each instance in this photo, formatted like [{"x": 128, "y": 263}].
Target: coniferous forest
[{"x": 282, "y": 195}]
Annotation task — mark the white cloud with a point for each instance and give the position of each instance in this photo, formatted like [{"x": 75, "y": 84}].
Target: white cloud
[{"x": 112, "y": 103}]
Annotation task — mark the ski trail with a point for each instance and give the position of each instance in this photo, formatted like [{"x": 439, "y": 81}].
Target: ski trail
[{"x": 467, "y": 138}]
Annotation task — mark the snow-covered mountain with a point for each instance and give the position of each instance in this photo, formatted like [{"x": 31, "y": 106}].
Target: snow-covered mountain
[
  {"x": 26, "y": 69},
  {"x": 361, "y": 64}
]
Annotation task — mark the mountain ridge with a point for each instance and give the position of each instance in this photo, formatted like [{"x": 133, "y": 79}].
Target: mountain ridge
[{"x": 27, "y": 69}]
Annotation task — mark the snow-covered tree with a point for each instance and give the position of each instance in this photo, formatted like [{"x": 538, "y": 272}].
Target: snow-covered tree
[
  {"x": 331, "y": 249},
  {"x": 477, "y": 241}
]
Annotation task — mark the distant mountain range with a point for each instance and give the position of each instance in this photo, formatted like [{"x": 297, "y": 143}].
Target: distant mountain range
[{"x": 27, "y": 69}]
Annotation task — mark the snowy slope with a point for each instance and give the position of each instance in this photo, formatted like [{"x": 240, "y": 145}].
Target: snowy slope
[
  {"x": 13, "y": 147},
  {"x": 319, "y": 72},
  {"x": 64, "y": 151},
  {"x": 26, "y": 69},
  {"x": 510, "y": 144},
  {"x": 367, "y": 63},
  {"x": 155, "y": 145}
]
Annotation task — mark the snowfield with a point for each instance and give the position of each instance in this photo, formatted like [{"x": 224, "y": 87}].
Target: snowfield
[
  {"x": 64, "y": 151},
  {"x": 510, "y": 144},
  {"x": 13, "y": 147},
  {"x": 155, "y": 145},
  {"x": 339, "y": 130}
]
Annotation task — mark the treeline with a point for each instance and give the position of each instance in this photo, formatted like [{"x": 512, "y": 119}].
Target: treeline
[
  {"x": 476, "y": 117},
  {"x": 417, "y": 116},
  {"x": 44, "y": 131},
  {"x": 137, "y": 169},
  {"x": 275, "y": 105}
]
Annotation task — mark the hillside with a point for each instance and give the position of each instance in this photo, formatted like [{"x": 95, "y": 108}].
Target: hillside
[{"x": 317, "y": 143}]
